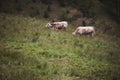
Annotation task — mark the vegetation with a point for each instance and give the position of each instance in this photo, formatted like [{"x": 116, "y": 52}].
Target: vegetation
[{"x": 30, "y": 51}]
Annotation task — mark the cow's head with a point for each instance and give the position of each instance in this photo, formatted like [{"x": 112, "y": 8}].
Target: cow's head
[
  {"x": 48, "y": 25},
  {"x": 73, "y": 33}
]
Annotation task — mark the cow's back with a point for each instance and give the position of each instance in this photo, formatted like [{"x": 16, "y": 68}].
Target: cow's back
[
  {"x": 64, "y": 23},
  {"x": 85, "y": 29}
]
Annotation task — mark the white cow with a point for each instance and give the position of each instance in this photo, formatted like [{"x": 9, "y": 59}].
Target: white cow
[
  {"x": 58, "y": 25},
  {"x": 85, "y": 30}
]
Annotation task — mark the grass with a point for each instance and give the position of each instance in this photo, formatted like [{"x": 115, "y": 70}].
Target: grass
[{"x": 29, "y": 51}]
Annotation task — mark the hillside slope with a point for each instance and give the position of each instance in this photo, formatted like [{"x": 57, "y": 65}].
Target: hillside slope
[{"x": 29, "y": 51}]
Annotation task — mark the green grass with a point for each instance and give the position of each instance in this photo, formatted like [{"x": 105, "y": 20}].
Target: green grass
[{"x": 29, "y": 51}]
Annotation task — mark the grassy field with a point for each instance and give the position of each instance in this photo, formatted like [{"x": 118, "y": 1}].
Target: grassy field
[{"x": 30, "y": 51}]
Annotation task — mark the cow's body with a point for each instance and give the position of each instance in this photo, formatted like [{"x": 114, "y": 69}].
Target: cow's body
[
  {"x": 58, "y": 25},
  {"x": 85, "y": 30}
]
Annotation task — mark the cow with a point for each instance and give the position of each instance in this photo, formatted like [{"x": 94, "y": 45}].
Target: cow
[
  {"x": 84, "y": 30},
  {"x": 57, "y": 25}
]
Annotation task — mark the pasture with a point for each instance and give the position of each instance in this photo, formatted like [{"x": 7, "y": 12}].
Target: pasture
[{"x": 30, "y": 51}]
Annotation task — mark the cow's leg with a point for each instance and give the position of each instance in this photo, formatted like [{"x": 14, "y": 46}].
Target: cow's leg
[
  {"x": 92, "y": 34},
  {"x": 56, "y": 29},
  {"x": 64, "y": 28},
  {"x": 80, "y": 34}
]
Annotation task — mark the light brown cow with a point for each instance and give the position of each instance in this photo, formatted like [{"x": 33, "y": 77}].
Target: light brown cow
[{"x": 85, "y": 30}]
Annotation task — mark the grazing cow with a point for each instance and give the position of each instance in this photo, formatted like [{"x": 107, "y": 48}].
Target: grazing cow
[
  {"x": 85, "y": 30},
  {"x": 58, "y": 25}
]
